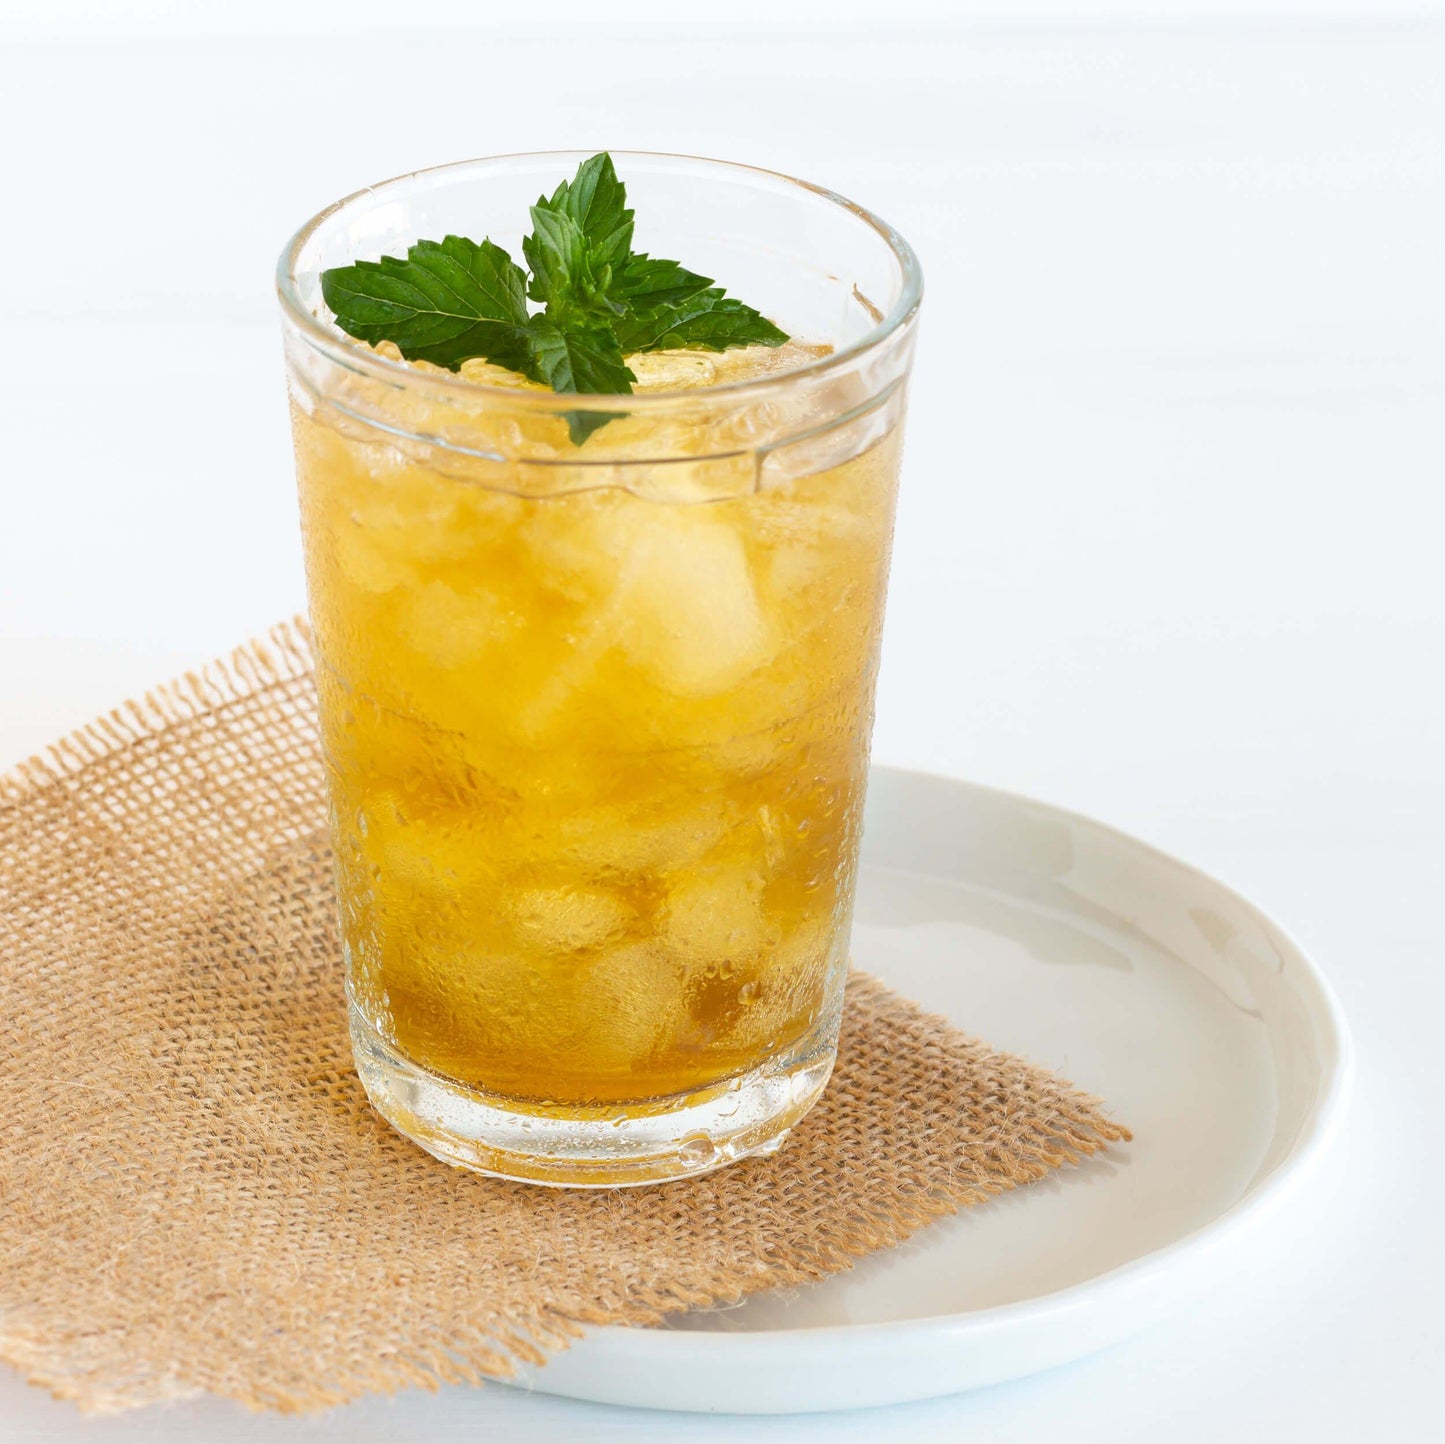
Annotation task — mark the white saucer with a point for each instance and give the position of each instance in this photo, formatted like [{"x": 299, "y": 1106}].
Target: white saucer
[{"x": 1204, "y": 1027}]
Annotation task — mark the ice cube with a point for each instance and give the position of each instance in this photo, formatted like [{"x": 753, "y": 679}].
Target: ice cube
[
  {"x": 672, "y": 370},
  {"x": 632, "y": 839},
  {"x": 366, "y": 559},
  {"x": 488, "y": 373},
  {"x": 631, "y": 1001},
  {"x": 687, "y": 610},
  {"x": 545, "y": 708},
  {"x": 713, "y": 916},
  {"x": 388, "y": 519},
  {"x": 667, "y": 583},
  {"x": 747, "y": 363},
  {"x": 454, "y": 628},
  {"x": 566, "y": 919},
  {"x": 567, "y": 539}
]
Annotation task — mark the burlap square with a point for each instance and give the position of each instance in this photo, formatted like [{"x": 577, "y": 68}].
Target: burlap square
[{"x": 194, "y": 1192}]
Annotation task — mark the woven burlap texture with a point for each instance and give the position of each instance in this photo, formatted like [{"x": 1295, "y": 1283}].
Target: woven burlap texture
[{"x": 196, "y": 1196}]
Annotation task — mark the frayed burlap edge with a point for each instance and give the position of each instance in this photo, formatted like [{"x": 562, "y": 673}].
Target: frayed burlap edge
[{"x": 283, "y": 654}]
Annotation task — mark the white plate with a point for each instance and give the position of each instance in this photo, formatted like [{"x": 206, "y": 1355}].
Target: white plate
[{"x": 1204, "y": 1027}]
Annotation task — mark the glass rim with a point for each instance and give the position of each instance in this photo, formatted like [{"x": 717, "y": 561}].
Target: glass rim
[{"x": 352, "y": 355}]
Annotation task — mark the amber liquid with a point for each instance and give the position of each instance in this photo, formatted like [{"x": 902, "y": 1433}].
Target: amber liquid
[{"x": 596, "y": 762}]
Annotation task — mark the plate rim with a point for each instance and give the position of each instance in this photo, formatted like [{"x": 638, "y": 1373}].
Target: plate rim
[{"x": 1316, "y": 1133}]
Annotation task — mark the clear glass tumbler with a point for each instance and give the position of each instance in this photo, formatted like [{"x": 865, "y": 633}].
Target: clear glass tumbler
[{"x": 596, "y": 718}]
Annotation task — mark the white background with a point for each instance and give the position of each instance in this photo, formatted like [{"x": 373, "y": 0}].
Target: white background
[{"x": 1169, "y": 551}]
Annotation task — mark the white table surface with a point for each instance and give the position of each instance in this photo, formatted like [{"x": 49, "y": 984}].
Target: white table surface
[{"x": 1169, "y": 551}]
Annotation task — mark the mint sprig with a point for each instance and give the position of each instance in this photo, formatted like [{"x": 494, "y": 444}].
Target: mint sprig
[{"x": 454, "y": 300}]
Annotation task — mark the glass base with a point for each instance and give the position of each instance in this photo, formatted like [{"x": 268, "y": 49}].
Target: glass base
[{"x": 676, "y": 1137}]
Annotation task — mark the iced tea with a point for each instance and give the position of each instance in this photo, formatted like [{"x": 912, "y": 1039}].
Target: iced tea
[
  {"x": 596, "y": 713},
  {"x": 596, "y": 761}
]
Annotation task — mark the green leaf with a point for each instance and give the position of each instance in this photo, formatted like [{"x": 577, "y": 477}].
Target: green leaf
[
  {"x": 581, "y": 424},
  {"x": 707, "y": 321},
  {"x": 644, "y": 283},
  {"x": 597, "y": 201},
  {"x": 584, "y": 359},
  {"x": 580, "y": 358},
  {"x": 452, "y": 300},
  {"x": 445, "y": 303},
  {"x": 579, "y": 236},
  {"x": 557, "y": 253}
]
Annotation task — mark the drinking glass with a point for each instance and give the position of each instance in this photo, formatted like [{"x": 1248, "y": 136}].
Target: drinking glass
[{"x": 596, "y": 717}]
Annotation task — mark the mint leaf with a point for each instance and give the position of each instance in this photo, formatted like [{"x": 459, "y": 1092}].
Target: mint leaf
[
  {"x": 583, "y": 359},
  {"x": 669, "y": 307},
  {"x": 597, "y": 201},
  {"x": 580, "y": 358},
  {"x": 644, "y": 283},
  {"x": 707, "y": 321},
  {"x": 557, "y": 253},
  {"x": 449, "y": 301},
  {"x": 445, "y": 303}
]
